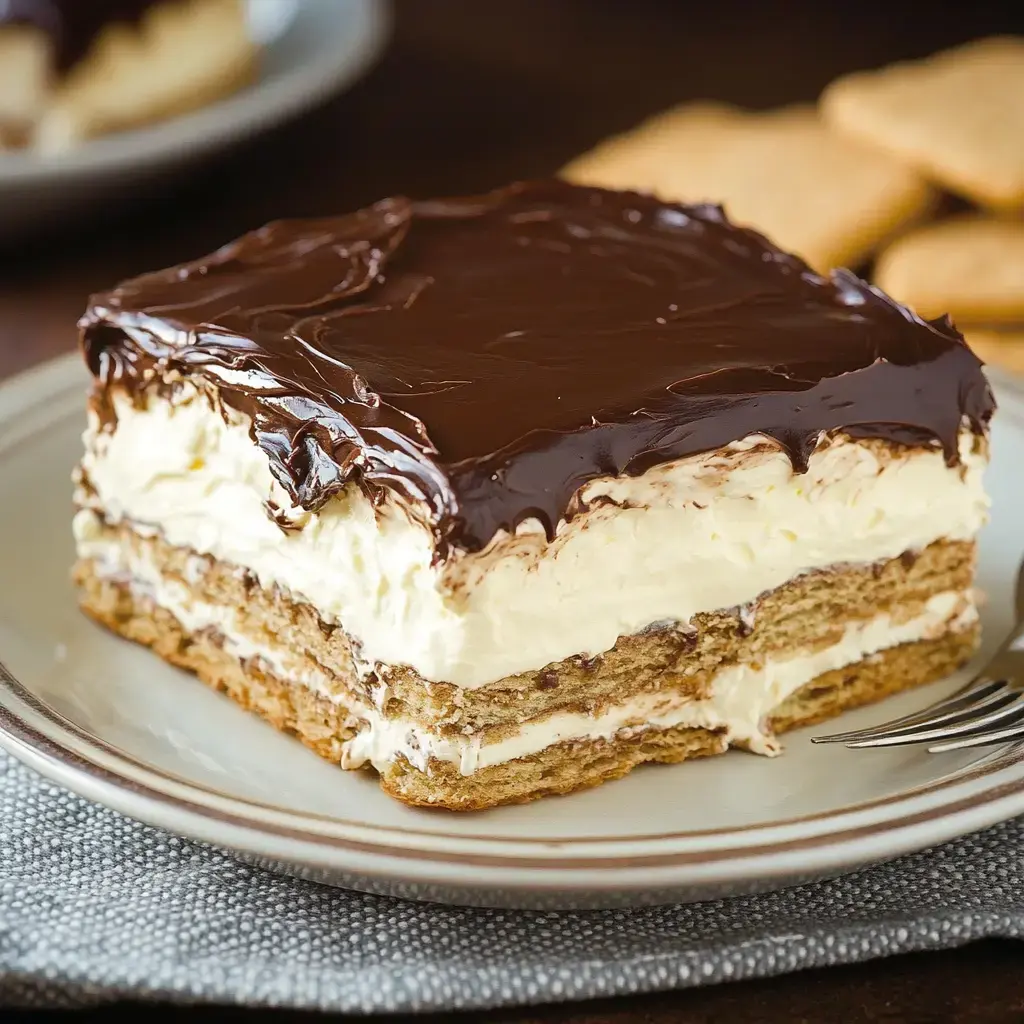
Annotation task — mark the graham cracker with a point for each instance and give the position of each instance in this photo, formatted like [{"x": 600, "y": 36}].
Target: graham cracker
[
  {"x": 1000, "y": 348},
  {"x": 828, "y": 199},
  {"x": 958, "y": 116},
  {"x": 970, "y": 266},
  {"x": 569, "y": 767},
  {"x": 24, "y": 81}
]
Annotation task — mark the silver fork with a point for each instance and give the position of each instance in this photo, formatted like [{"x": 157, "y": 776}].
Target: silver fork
[{"x": 990, "y": 709}]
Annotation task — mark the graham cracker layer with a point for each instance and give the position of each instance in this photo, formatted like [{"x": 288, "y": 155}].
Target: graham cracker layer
[
  {"x": 806, "y": 614},
  {"x": 571, "y": 766},
  {"x": 324, "y": 725}
]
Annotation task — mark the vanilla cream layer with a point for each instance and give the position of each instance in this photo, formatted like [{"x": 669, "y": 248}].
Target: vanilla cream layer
[
  {"x": 741, "y": 697},
  {"x": 694, "y": 535}
]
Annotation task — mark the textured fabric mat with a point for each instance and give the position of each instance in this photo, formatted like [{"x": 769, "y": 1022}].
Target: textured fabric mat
[{"x": 94, "y": 906}]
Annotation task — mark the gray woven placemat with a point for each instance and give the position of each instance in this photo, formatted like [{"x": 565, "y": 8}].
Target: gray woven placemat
[{"x": 94, "y": 906}]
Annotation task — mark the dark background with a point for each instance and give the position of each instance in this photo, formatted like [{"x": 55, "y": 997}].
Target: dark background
[{"x": 473, "y": 93}]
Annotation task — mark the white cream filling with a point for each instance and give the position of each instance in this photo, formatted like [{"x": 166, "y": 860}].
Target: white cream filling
[
  {"x": 740, "y": 698},
  {"x": 695, "y": 535}
]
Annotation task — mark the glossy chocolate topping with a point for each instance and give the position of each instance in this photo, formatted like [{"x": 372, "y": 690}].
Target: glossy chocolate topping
[
  {"x": 72, "y": 25},
  {"x": 487, "y": 356}
]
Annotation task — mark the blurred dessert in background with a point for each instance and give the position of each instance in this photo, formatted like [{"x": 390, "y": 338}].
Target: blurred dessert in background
[
  {"x": 868, "y": 174},
  {"x": 74, "y": 69}
]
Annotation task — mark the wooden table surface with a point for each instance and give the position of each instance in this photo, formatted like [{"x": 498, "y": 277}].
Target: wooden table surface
[{"x": 471, "y": 94}]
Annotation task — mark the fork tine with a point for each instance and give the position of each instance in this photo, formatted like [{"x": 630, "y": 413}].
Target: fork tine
[
  {"x": 981, "y": 739},
  {"x": 970, "y": 723},
  {"x": 992, "y": 693},
  {"x": 983, "y": 692},
  {"x": 967, "y": 713}
]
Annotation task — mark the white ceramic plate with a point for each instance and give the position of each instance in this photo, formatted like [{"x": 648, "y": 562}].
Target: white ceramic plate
[
  {"x": 310, "y": 50},
  {"x": 110, "y": 721}
]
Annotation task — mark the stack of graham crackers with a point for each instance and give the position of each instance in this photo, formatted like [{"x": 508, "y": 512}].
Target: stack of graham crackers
[{"x": 863, "y": 179}]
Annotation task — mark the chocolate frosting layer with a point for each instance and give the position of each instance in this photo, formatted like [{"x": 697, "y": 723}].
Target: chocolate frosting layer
[
  {"x": 72, "y": 25},
  {"x": 484, "y": 357}
]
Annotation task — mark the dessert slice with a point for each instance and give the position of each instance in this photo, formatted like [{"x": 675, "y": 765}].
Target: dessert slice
[
  {"x": 505, "y": 495},
  {"x": 73, "y": 69}
]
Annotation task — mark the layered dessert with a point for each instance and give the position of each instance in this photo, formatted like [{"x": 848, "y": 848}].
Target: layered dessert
[
  {"x": 74, "y": 69},
  {"x": 502, "y": 496}
]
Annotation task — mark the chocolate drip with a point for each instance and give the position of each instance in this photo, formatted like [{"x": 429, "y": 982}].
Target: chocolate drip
[
  {"x": 484, "y": 357},
  {"x": 72, "y": 25}
]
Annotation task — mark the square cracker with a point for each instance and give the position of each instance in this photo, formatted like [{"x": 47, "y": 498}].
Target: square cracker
[
  {"x": 1002, "y": 349},
  {"x": 830, "y": 200},
  {"x": 970, "y": 266},
  {"x": 958, "y": 116},
  {"x": 25, "y": 59}
]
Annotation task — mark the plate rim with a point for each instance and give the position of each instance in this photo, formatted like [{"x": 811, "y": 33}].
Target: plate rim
[
  {"x": 982, "y": 793},
  {"x": 227, "y": 120}
]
